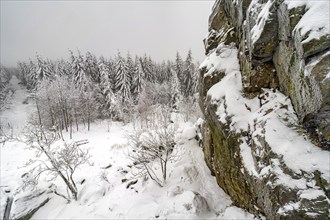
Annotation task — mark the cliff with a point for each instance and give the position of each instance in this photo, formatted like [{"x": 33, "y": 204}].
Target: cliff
[{"x": 265, "y": 94}]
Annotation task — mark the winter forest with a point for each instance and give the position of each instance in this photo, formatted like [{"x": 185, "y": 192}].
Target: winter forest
[
  {"x": 75, "y": 110},
  {"x": 119, "y": 89}
]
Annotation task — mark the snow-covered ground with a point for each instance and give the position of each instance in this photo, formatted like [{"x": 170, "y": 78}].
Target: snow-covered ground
[{"x": 190, "y": 192}]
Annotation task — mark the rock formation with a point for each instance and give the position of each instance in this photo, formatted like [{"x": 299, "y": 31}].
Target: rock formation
[{"x": 265, "y": 95}]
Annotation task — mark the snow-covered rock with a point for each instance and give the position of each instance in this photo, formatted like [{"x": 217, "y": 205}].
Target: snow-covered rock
[
  {"x": 29, "y": 203},
  {"x": 281, "y": 44},
  {"x": 258, "y": 84}
]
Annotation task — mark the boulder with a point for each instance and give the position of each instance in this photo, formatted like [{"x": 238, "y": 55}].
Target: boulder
[{"x": 26, "y": 205}]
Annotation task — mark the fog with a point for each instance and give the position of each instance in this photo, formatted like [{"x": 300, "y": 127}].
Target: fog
[{"x": 50, "y": 28}]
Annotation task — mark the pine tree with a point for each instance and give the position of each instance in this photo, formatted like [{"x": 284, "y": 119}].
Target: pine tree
[
  {"x": 104, "y": 71},
  {"x": 138, "y": 80},
  {"x": 123, "y": 80},
  {"x": 187, "y": 77},
  {"x": 174, "y": 89},
  {"x": 32, "y": 78},
  {"x": 106, "y": 101},
  {"x": 178, "y": 68},
  {"x": 43, "y": 69},
  {"x": 91, "y": 67},
  {"x": 195, "y": 81},
  {"x": 112, "y": 73},
  {"x": 78, "y": 70},
  {"x": 148, "y": 68},
  {"x": 130, "y": 70},
  {"x": 151, "y": 70}
]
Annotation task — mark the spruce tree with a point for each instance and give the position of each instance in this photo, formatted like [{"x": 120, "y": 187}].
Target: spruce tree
[
  {"x": 91, "y": 67},
  {"x": 78, "y": 70},
  {"x": 105, "y": 88},
  {"x": 43, "y": 70},
  {"x": 148, "y": 68},
  {"x": 123, "y": 80},
  {"x": 138, "y": 80},
  {"x": 178, "y": 68},
  {"x": 32, "y": 77},
  {"x": 174, "y": 89},
  {"x": 130, "y": 70},
  {"x": 187, "y": 77}
]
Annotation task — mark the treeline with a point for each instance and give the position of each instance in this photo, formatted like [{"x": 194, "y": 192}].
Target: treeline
[{"x": 83, "y": 88}]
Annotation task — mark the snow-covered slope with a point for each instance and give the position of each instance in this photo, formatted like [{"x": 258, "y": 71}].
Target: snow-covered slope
[{"x": 191, "y": 191}]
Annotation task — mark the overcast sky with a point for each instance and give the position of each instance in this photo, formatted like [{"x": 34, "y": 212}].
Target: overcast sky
[{"x": 50, "y": 28}]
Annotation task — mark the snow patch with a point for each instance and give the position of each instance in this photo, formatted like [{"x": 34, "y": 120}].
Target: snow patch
[
  {"x": 223, "y": 59},
  {"x": 248, "y": 159},
  {"x": 311, "y": 194},
  {"x": 261, "y": 19}
]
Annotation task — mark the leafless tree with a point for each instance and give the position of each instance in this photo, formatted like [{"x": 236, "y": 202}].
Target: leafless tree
[
  {"x": 54, "y": 157},
  {"x": 153, "y": 147}
]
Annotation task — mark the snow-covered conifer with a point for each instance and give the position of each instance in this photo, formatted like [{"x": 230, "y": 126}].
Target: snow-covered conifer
[
  {"x": 91, "y": 67},
  {"x": 137, "y": 79},
  {"x": 123, "y": 79},
  {"x": 78, "y": 69},
  {"x": 187, "y": 77},
  {"x": 43, "y": 69}
]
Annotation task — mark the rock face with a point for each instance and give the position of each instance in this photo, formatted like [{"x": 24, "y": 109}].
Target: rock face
[{"x": 265, "y": 95}]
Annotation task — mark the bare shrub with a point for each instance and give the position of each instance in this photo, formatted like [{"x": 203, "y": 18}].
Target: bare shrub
[
  {"x": 154, "y": 147},
  {"x": 54, "y": 157}
]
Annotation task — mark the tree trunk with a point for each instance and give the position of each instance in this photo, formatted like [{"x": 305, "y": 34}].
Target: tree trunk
[
  {"x": 38, "y": 110},
  {"x": 71, "y": 129},
  {"x": 76, "y": 119},
  {"x": 65, "y": 121},
  {"x": 60, "y": 128}
]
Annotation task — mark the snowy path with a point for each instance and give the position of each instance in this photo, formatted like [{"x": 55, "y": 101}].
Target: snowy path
[
  {"x": 16, "y": 115},
  {"x": 13, "y": 155}
]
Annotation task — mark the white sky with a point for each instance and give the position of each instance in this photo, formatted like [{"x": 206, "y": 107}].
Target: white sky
[{"x": 50, "y": 28}]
